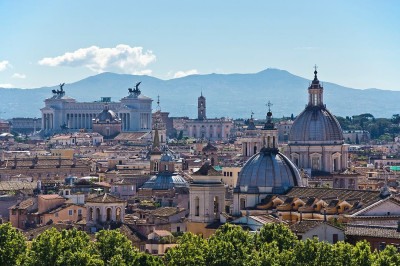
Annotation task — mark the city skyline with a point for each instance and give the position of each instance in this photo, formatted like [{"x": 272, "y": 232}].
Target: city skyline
[{"x": 355, "y": 44}]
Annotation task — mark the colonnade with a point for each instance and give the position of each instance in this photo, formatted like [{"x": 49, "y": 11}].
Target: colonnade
[
  {"x": 48, "y": 121},
  {"x": 126, "y": 120},
  {"x": 78, "y": 121}
]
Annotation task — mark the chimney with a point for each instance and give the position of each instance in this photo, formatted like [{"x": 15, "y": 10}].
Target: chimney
[
  {"x": 301, "y": 216},
  {"x": 325, "y": 215}
]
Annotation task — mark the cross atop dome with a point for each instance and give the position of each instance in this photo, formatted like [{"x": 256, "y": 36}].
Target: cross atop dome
[{"x": 269, "y": 104}]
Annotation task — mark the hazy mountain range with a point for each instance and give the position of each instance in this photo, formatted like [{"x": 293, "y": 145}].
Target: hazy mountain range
[{"x": 229, "y": 95}]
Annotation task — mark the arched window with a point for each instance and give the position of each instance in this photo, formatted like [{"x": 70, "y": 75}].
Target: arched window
[
  {"x": 216, "y": 208},
  {"x": 90, "y": 214},
  {"x": 98, "y": 215},
  {"x": 242, "y": 203},
  {"x": 315, "y": 163},
  {"x": 155, "y": 168},
  {"x": 118, "y": 214},
  {"x": 108, "y": 214},
  {"x": 196, "y": 206}
]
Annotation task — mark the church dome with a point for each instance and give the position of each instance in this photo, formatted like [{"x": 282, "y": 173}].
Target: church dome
[
  {"x": 268, "y": 171},
  {"x": 316, "y": 123},
  {"x": 165, "y": 181},
  {"x": 106, "y": 116}
]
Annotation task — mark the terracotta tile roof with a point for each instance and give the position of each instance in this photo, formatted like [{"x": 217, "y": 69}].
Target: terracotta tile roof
[
  {"x": 105, "y": 198},
  {"x": 360, "y": 198},
  {"x": 306, "y": 225},
  {"x": 25, "y": 204},
  {"x": 50, "y": 197},
  {"x": 16, "y": 185},
  {"x": 162, "y": 233},
  {"x": 166, "y": 211},
  {"x": 131, "y": 234},
  {"x": 265, "y": 219},
  {"x": 372, "y": 231},
  {"x": 130, "y": 136}
]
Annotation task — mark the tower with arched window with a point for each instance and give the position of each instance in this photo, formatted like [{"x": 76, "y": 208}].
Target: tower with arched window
[
  {"x": 105, "y": 209},
  {"x": 207, "y": 199}
]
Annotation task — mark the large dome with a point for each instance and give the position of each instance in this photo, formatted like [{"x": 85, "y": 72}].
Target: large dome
[
  {"x": 268, "y": 171},
  {"x": 316, "y": 123}
]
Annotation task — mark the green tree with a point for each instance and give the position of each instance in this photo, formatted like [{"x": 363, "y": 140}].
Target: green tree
[
  {"x": 80, "y": 258},
  {"x": 387, "y": 257},
  {"x": 45, "y": 249},
  {"x": 284, "y": 237},
  {"x": 191, "y": 251},
  {"x": 343, "y": 253},
  {"x": 230, "y": 245},
  {"x": 110, "y": 243},
  {"x": 313, "y": 252},
  {"x": 12, "y": 245},
  {"x": 362, "y": 255},
  {"x": 68, "y": 247}
]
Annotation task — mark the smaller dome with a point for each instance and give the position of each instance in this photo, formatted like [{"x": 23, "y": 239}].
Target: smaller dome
[
  {"x": 107, "y": 116},
  {"x": 268, "y": 171},
  {"x": 165, "y": 181}
]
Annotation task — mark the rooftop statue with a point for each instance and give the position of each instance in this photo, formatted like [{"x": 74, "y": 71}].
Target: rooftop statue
[
  {"x": 136, "y": 90},
  {"x": 59, "y": 92}
]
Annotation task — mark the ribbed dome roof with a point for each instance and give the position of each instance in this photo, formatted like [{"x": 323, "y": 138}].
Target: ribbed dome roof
[
  {"x": 316, "y": 123},
  {"x": 268, "y": 171},
  {"x": 107, "y": 115},
  {"x": 164, "y": 181}
]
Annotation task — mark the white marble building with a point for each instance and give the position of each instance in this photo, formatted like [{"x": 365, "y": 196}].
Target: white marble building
[{"x": 63, "y": 112}]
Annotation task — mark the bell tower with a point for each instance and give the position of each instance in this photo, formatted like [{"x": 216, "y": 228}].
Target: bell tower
[{"x": 201, "y": 107}]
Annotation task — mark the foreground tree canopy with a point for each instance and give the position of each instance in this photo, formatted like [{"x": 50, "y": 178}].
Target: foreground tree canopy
[{"x": 231, "y": 245}]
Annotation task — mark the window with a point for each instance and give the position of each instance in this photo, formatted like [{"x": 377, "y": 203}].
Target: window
[
  {"x": 178, "y": 228},
  {"x": 118, "y": 214},
  {"x": 79, "y": 211},
  {"x": 70, "y": 212},
  {"x": 242, "y": 204},
  {"x": 90, "y": 214},
  {"x": 197, "y": 206}
]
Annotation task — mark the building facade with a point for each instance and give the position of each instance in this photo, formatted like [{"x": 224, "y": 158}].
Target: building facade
[
  {"x": 205, "y": 128},
  {"x": 65, "y": 113}
]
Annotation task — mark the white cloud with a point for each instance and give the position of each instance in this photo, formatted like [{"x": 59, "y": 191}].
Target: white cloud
[
  {"x": 6, "y": 85},
  {"x": 4, "y": 65},
  {"x": 121, "y": 58},
  {"x": 18, "y": 76},
  {"x": 181, "y": 74}
]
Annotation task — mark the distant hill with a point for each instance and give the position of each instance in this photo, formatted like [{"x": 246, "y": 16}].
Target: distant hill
[{"x": 229, "y": 95}]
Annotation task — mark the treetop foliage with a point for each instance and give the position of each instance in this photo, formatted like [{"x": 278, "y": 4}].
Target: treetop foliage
[{"x": 274, "y": 244}]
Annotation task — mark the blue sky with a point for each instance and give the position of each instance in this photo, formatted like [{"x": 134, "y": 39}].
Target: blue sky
[{"x": 354, "y": 43}]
